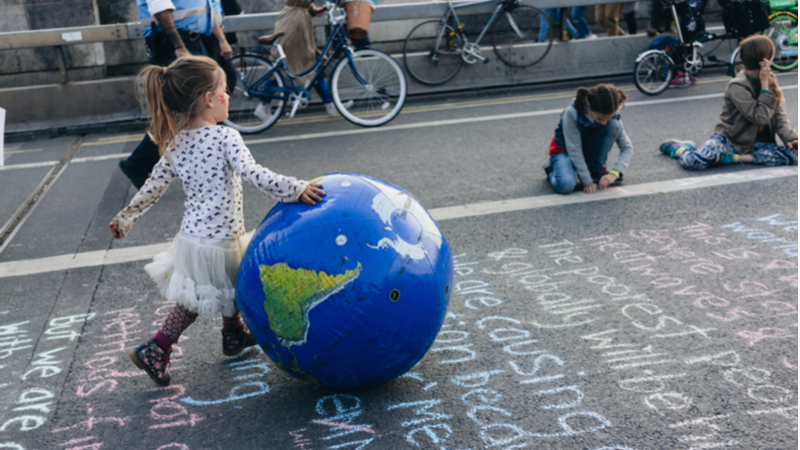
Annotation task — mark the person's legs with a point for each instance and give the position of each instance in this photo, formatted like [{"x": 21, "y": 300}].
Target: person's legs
[
  {"x": 153, "y": 356},
  {"x": 600, "y": 15},
  {"x": 140, "y": 163},
  {"x": 561, "y": 175},
  {"x": 612, "y": 19},
  {"x": 235, "y": 336},
  {"x": 630, "y": 20},
  {"x": 597, "y": 143},
  {"x": 581, "y": 25},
  {"x": 715, "y": 150},
  {"x": 773, "y": 154},
  {"x": 544, "y": 26}
]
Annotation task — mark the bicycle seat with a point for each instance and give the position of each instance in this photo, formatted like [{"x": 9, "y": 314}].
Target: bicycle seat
[{"x": 268, "y": 40}]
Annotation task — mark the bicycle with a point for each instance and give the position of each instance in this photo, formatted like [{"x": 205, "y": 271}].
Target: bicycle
[
  {"x": 368, "y": 87},
  {"x": 435, "y": 50},
  {"x": 655, "y": 69},
  {"x": 783, "y": 32}
]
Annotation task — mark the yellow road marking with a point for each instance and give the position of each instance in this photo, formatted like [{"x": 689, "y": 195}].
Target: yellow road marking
[{"x": 24, "y": 151}]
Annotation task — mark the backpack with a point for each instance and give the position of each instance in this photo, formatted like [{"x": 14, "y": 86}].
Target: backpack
[{"x": 666, "y": 43}]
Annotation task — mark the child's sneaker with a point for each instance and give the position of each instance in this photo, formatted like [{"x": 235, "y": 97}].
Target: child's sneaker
[
  {"x": 672, "y": 146},
  {"x": 234, "y": 341},
  {"x": 154, "y": 360},
  {"x": 729, "y": 158},
  {"x": 680, "y": 82}
]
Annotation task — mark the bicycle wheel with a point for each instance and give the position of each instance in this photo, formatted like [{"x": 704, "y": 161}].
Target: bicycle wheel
[
  {"x": 432, "y": 53},
  {"x": 255, "y": 108},
  {"x": 652, "y": 73},
  {"x": 371, "y": 91},
  {"x": 783, "y": 32},
  {"x": 515, "y": 36}
]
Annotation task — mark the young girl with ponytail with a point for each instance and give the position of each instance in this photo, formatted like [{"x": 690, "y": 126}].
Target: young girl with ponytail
[
  {"x": 752, "y": 114},
  {"x": 187, "y": 99},
  {"x": 588, "y": 129}
]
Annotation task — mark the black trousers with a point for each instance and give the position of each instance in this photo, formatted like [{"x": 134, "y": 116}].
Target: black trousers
[{"x": 161, "y": 52}]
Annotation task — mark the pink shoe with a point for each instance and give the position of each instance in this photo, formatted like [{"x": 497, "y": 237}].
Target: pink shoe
[{"x": 679, "y": 82}]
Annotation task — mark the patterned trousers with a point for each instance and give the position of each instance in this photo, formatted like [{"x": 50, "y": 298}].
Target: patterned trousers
[{"x": 718, "y": 146}]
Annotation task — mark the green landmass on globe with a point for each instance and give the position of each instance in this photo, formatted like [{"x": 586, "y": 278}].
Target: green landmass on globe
[{"x": 290, "y": 294}]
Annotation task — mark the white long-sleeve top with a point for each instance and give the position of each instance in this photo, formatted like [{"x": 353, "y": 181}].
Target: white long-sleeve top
[{"x": 209, "y": 161}]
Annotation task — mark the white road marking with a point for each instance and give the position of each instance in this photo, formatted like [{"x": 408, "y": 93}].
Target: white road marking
[
  {"x": 130, "y": 254},
  {"x": 409, "y": 126}
]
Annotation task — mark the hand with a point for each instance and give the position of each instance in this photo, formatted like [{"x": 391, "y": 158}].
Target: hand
[
  {"x": 115, "y": 231},
  {"x": 315, "y": 11},
  {"x": 312, "y": 192},
  {"x": 181, "y": 52},
  {"x": 763, "y": 74},
  {"x": 607, "y": 180},
  {"x": 225, "y": 49},
  {"x": 590, "y": 188},
  {"x": 792, "y": 145}
]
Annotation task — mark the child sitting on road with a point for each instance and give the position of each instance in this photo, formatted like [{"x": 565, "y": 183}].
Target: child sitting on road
[
  {"x": 199, "y": 270},
  {"x": 588, "y": 129},
  {"x": 752, "y": 113}
]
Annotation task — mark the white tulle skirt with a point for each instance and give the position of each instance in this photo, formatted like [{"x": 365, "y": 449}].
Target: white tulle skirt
[{"x": 200, "y": 273}]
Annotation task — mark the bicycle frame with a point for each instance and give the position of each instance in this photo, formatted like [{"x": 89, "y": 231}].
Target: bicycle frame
[
  {"x": 329, "y": 51},
  {"x": 451, "y": 11}
]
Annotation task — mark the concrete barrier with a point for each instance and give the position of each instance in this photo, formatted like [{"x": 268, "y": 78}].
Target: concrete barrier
[{"x": 89, "y": 103}]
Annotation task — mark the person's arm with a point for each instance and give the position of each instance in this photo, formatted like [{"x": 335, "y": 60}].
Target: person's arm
[
  {"x": 572, "y": 139},
  {"x": 281, "y": 188},
  {"x": 167, "y": 24},
  {"x": 758, "y": 110},
  {"x": 225, "y": 49},
  {"x": 783, "y": 128},
  {"x": 621, "y": 166},
  {"x": 148, "y": 195}
]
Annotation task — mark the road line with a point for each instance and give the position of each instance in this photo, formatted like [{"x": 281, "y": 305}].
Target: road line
[
  {"x": 656, "y": 188},
  {"x": 130, "y": 254},
  {"x": 437, "y": 123}
]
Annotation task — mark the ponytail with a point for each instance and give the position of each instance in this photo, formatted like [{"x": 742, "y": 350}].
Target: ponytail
[
  {"x": 174, "y": 95},
  {"x": 603, "y": 99}
]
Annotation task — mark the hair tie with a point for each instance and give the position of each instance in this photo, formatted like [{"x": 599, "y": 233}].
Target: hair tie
[{"x": 164, "y": 70}]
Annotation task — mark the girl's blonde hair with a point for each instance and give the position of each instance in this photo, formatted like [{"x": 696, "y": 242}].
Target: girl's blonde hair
[
  {"x": 603, "y": 99},
  {"x": 174, "y": 94},
  {"x": 755, "y": 49}
]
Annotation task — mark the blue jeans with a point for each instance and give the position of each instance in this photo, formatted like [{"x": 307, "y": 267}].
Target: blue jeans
[
  {"x": 555, "y": 16},
  {"x": 581, "y": 25},
  {"x": 597, "y": 143}
]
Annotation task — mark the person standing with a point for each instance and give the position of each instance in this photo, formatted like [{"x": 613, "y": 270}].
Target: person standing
[
  {"x": 608, "y": 17},
  {"x": 629, "y": 13},
  {"x": 581, "y": 25},
  {"x": 172, "y": 29},
  {"x": 554, "y": 14}
]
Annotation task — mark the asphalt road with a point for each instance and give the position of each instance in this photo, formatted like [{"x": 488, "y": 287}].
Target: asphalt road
[{"x": 658, "y": 315}]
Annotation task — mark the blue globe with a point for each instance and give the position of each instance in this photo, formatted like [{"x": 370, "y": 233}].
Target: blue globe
[{"x": 351, "y": 292}]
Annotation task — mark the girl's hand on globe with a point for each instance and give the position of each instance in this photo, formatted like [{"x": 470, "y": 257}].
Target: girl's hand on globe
[{"x": 313, "y": 192}]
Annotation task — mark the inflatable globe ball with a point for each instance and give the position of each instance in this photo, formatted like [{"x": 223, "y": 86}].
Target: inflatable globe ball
[{"x": 351, "y": 292}]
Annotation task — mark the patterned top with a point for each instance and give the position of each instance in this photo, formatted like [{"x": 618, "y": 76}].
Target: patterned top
[{"x": 209, "y": 162}]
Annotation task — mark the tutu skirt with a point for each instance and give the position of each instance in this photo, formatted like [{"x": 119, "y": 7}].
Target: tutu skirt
[{"x": 200, "y": 273}]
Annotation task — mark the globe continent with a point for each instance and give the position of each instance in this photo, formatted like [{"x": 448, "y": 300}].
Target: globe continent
[{"x": 351, "y": 292}]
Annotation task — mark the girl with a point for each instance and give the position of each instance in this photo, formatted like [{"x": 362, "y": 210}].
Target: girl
[
  {"x": 588, "y": 128},
  {"x": 752, "y": 113},
  {"x": 187, "y": 99}
]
